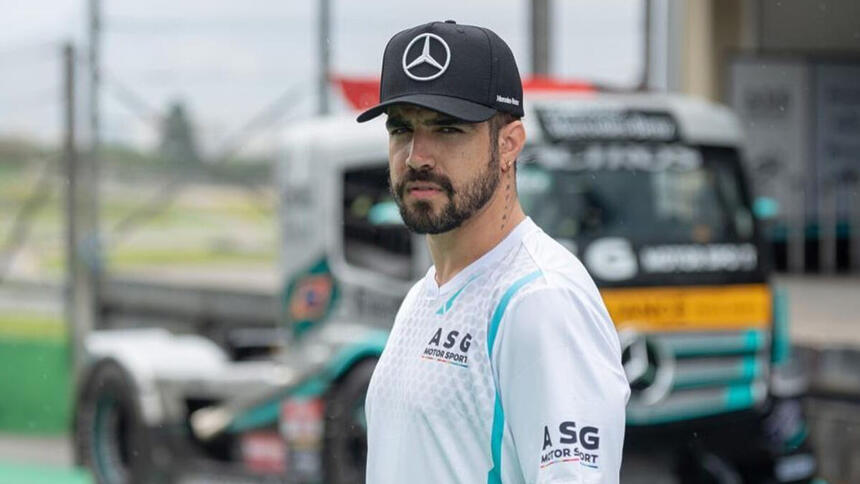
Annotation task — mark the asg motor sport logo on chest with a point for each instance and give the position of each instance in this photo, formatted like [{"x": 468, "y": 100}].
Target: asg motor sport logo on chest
[
  {"x": 449, "y": 347},
  {"x": 567, "y": 443}
]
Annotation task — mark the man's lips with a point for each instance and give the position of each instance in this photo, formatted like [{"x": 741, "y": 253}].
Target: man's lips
[{"x": 423, "y": 189}]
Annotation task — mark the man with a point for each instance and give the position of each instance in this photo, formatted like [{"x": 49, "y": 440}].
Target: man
[{"x": 503, "y": 365}]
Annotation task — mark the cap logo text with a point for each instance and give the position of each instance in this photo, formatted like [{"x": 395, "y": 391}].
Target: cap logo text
[{"x": 507, "y": 100}]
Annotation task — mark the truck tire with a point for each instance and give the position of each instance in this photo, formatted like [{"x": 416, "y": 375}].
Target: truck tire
[
  {"x": 109, "y": 435},
  {"x": 345, "y": 429}
]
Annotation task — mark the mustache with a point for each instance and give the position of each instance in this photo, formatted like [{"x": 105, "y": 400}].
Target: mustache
[{"x": 424, "y": 176}]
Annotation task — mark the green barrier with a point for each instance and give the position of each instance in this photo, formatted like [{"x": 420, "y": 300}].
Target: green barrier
[
  {"x": 19, "y": 474},
  {"x": 35, "y": 382}
]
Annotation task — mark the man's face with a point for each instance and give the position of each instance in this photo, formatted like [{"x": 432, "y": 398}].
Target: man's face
[{"x": 443, "y": 170}]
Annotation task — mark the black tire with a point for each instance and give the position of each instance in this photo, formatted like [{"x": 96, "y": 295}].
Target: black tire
[
  {"x": 109, "y": 434},
  {"x": 345, "y": 433}
]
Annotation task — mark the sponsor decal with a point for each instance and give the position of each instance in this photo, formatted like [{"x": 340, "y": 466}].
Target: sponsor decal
[
  {"x": 568, "y": 443},
  {"x": 451, "y": 347},
  {"x": 611, "y": 259},
  {"x": 311, "y": 297},
  {"x": 699, "y": 258},
  {"x": 635, "y": 157},
  {"x": 739, "y": 306},
  {"x": 578, "y": 125},
  {"x": 301, "y": 425},
  {"x": 264, "y": 452},
  {"x": 301, "y": 422},
  {"x": 615, "y": 258}
]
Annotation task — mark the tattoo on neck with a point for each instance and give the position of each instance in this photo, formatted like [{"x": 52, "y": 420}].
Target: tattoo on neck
[{"x": 507, "y": 205}]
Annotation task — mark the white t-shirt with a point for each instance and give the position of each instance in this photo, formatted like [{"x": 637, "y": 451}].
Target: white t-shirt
[{"x": 509, "y": 373}]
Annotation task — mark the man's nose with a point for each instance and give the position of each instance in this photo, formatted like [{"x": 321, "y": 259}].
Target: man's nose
[{"x": 420, "y": 152}]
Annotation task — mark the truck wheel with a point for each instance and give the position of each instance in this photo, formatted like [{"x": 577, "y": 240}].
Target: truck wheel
[
  {"x": 108, "y": 430},
  {"x": 345, "y": 434}
]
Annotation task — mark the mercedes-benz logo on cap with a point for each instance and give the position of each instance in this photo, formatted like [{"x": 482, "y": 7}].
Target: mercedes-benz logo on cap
[
  {"x": 438, "y": 65},
  {"x": 649, "y": 365}
]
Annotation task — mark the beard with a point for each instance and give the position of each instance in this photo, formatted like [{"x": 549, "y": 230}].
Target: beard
[{"x": 461, "y": 204}]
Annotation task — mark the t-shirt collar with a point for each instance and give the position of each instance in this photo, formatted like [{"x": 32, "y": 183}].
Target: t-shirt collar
[{"x": 489, "y": 259}]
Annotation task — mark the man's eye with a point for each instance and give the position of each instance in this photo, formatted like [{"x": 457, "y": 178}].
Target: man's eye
[
  {"x": 449, "y": 130},
  {"x": 396, "y": 131}
]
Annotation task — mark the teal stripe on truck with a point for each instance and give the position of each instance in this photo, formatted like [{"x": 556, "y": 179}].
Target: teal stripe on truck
[{"x": 713, "y": 344}]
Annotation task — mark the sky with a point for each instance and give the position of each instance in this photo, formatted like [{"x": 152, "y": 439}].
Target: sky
[{"x": 227, "y": 60}]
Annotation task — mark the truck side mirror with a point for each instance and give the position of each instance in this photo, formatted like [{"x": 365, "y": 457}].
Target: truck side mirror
[{"x": 765, "y": 208}]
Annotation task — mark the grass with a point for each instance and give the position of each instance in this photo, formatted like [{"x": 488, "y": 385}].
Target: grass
[
  {"x": 35, "y": 370},
  {"x": 205, "y": 225},
  {"x": 31, "y": 326},
  {"x": 189, "y": 257}
]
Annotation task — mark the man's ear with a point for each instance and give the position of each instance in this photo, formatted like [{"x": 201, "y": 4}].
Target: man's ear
[{"x": 512, "y": 138}]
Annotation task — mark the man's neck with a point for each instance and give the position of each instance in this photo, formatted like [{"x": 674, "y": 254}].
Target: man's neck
[{"x": 453, "y": 251}]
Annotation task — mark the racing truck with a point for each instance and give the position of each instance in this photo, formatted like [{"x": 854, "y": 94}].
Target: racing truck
[{"x": 648, "y": 190}]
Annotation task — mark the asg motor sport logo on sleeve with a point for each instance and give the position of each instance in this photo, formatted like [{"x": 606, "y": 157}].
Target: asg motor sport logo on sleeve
[{"x": 569, "y": 443}]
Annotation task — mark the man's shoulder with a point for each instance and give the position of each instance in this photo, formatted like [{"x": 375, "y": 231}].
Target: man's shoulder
[
  {"x": 542, "y": 265},
  {"x": 559, "y": 267},
  {"x": 411, "y": 301},
  {"x": 414, "y": 291},
  {"x": 562, "y": 289}
]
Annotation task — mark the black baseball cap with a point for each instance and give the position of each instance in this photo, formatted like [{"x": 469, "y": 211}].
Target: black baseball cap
[{"x": 463, "y": 71}]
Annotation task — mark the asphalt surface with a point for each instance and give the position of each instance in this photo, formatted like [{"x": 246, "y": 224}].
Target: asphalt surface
[
  {"x": 51, "y": 451},
  {"x": 38, "y": 460}
]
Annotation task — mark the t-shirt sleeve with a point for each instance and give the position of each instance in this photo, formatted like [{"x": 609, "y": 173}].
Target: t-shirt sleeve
[{"x": 562, "y": 386}]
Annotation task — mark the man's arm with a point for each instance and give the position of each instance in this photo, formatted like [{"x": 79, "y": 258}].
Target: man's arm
[{"x": 562, "y": 386}]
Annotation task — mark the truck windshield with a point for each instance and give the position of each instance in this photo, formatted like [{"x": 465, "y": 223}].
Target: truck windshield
[{"x": 643, "y": 192}]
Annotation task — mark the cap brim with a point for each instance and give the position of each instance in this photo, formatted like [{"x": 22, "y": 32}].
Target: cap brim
[{"x": 452, "y": 106}]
